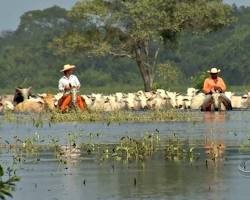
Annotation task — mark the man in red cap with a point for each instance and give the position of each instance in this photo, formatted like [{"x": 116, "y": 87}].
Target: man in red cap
[{"x": 66, "y": 85}]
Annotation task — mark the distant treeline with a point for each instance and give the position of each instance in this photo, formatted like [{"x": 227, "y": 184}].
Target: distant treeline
[{"x": 27, "y": 60}]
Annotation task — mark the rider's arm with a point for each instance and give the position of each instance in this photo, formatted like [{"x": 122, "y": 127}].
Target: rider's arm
[
  {"x": 76, "y": 82},
  {"x": 222, "y": 85},
  {"x": 206, "y": 87},
  {"x": 61, "y": 85}
]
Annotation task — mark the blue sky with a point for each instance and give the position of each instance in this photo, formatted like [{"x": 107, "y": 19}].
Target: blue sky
[{"x": 11, "y": 10}]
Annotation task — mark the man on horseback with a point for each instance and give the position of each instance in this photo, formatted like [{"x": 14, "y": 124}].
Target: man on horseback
[
  {"x": 212, "y": 85},
  {"x": 69, "y": 84}
]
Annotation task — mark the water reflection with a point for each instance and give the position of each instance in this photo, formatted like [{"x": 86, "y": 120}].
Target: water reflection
[
  {"x": 215, "y": 134},
  {"x": 214, "y": 117}
]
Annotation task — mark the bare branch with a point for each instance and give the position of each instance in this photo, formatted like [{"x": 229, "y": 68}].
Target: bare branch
[
  {"x": 156, "y": 55},
  {"x": 121, "y": 55}
]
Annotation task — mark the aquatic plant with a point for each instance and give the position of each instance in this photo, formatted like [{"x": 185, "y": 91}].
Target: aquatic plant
[
  {"x": 179, "y": 149},
  {"x": 245, "y": 146},
  {"x": 214, "y": 150},
  {"x": 7, "y": 186},
  {"x": 124, "y": 116},
  {"x": 126, "y": 149},
  {"x": 30, "y": 147}
]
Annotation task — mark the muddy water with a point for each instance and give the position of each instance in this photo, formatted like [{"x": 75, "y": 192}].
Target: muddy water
[{"x": 155, "y": 179}]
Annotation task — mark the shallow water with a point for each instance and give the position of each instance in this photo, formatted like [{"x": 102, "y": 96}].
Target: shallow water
[
  {"x": 157, "y": 178},
  {"x": 232, "y": 126}
]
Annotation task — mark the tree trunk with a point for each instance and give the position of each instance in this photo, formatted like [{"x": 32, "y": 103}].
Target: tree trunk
[
  {"x": 143, "y": 62},
  {"x": 147, "y": 77}
]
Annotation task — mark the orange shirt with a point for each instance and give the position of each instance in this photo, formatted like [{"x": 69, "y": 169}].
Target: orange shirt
[{"x": 210, "y": 83}]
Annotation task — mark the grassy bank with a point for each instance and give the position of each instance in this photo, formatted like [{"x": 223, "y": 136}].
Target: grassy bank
[{"x": 108, "y": 117}]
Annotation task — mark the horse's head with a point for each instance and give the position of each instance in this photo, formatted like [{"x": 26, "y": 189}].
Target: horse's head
[
  {"x": 74, "y": 92},
  {"x": 216, "y": 100}
]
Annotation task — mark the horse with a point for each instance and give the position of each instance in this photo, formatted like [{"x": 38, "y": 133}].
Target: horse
[{"x": 217, "y": 102}]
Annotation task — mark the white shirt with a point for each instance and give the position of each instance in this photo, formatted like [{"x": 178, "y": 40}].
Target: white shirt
[{"x": 64, "y": 82}]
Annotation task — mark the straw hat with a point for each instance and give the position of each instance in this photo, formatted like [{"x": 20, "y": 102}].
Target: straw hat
[
  {"x": 67, "y": 67},
  {"x": 214, "y": 71}
]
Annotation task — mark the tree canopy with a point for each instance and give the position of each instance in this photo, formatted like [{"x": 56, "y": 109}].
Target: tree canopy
[{"x": 137, "y": 29}]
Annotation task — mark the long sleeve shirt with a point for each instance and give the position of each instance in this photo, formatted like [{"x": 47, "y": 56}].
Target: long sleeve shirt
[
  {"x": 65, "y": 82},
  {"x": 210, "y": 83}
]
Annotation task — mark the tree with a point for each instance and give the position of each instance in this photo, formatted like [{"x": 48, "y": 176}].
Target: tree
[{"x": 137, "y": 29}]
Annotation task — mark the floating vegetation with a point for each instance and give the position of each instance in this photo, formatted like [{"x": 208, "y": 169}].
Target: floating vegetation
[
  {"x": 245, "y": 146},
  {"x": 177, "y": 149},
  {"x": 135, "y": 149},
  {"x": 8, "y": 185},
  {"x": 79, "y": 146},
  {"x": 39, "y": 119},
  {"x": 124, "y": 116}
]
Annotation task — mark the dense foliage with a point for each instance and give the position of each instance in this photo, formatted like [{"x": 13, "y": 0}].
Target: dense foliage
[{"x": 26, "y": 58}]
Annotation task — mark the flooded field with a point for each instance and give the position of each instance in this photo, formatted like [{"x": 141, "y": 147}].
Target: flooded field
[{"x": 205, "y": 160}]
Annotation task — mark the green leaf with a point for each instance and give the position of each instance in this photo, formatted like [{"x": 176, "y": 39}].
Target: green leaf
[{"x": 1, "y": 171}]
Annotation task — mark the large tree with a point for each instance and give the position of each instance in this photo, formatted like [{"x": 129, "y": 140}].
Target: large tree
[{"x": 138, "y": 28}]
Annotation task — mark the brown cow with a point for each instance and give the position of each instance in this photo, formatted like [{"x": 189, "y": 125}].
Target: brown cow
[{"x": 45, "y": 103}]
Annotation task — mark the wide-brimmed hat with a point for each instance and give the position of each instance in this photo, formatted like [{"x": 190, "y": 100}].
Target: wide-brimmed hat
[
  {"x": 67, "y": 67},
  {"x": 213, "y": 70}
]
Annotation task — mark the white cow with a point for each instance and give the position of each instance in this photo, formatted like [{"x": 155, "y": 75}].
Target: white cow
[
  {"x": 172, "y": 96},
  {"x": 157, "y": 102},
  {"x": 197, "y": 101},
  {"x": 240, "y": 101},
  {"x": 192, "y": 92},
  {"x": 183, "y": 102},
  {"x": 132, "y": 102},
  {"x": 98, "y": 102},
  {"x": 187, "y": 102},
  {"x": 6, "y": 106},
  {"x": 179, "y": 101}
]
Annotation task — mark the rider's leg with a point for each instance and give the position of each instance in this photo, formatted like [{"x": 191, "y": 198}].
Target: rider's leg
[
  {"x": 81, "y": 103},
  {"x": 66, "y": 103}
]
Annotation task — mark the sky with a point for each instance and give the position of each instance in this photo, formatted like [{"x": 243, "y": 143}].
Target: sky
[{"x": 11, "y": 10}]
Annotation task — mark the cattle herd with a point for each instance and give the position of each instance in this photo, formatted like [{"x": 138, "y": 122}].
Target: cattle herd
[{"x": 160, "y": 99}]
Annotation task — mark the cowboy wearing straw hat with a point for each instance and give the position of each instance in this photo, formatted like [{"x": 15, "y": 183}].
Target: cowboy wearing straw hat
[
  {"x": 66, "y": 84},
  {"x": 214, "y": 84}
]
